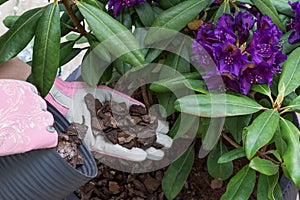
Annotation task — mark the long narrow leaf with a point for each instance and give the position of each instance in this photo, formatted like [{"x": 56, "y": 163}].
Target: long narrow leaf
[
  {"x": 115, "y": 37},
  {"x": 46, "y": 49},
  {"x": 19, "y": 35}
]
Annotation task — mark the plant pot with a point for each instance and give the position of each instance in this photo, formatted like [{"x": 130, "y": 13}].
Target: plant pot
[{"x": 43, "y": 173}]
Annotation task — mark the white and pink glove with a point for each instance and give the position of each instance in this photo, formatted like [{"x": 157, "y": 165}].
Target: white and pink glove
[
  {"x": 25, "y": 123},
  {"x": 68, "y": 98}
]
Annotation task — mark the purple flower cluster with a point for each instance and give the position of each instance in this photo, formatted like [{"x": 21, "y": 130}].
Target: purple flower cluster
[
  {"x": 240, "y": 60},
  {"x": 295, "y": 23},
  {"x": 118, "y": 5}
]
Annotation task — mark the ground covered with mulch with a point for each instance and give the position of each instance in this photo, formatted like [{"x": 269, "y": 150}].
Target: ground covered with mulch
[{"x": 114, "y": 184}]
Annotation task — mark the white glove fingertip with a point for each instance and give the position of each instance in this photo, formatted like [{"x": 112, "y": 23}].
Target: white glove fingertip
[
  {"x": 164, "y": 140},
  {"x": 163, "y": 127},
  {"x": 154, "y": 154},
  {"x": 134, "y": 154}
]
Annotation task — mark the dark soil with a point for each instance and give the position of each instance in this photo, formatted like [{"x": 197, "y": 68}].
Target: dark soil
[{"x": 113, "y": 184}]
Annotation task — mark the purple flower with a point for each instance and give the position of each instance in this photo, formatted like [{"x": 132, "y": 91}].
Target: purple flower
[
  {"x": 238, "y": 63},
  {"x": 295, "y": 24},
  {"x": 244, "y": 22},
  {"x": 118, "y": 5},
  {"x": 265, "y": 51}
]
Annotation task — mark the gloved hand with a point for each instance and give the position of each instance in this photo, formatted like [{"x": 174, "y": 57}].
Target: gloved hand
[
  {"x": 69, "y": 98},
  {"x": 25, "y": 123}
]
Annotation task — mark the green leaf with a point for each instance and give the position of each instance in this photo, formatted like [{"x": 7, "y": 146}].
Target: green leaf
[
  {"x": 67, "y": 53},
  {"x": 241, "y": 185},
  {"x": 212, "y": 136},
  {"x": 291, "y": 157},
  {"x": 183, "y": 125},
  {"x": 165, "y": 4},
  {"x": 236, "y": 124},
  {"x": 46, "y": 49},
  {"x": 267, "y": 8},
  {"x": 115, "y": 37},
  {"x": 19, "y": 35},
  {"x": 196, "y": 85},
  {"x": 98, "y": 48},
  {"x": 224, "y": 8},
  {"x": 177, "y": 173},
  {"x": 262, "y": 88},
  {"x": 125, "y": 18},
  {"x": 268, "y": 188},
  {"x": 264, "y": 166},
  {"x": 219, "y": 170},
  {"x": 176, "y": 83},
  {"x": 261, "y": 131},
  {"x": 3, "y": 1},
  {"x": 282, "y": 6},
  {"x": 294, "y": 105},
  {"x": 217, "y": 105},
  {"x": 290, "y": 73},
  {"x": 93, "y": 68},
  {"x": 76, "y": 38},
  {"x": 121, "y": 67},
  {"x": 66, "y": 23},
  {"x": 276, "y": 154},
  {"x": 175, "y": 18},
  {"x": 232, "y": 155},
  {"x": 286, "y": 46},
  {"x": 167, "y": 101},
  {"x": 10, "y": 20},
  {"x": 145, "y": 13},
  {"x": 279, "y": 142}
]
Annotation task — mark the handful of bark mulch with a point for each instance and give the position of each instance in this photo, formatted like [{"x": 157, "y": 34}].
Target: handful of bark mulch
[
  {"x": 68, "y": 143},
  {"x": 129, "y": 127}
]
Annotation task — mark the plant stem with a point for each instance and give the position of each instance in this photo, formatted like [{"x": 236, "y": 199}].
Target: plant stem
[
  {"x": 73, "y": 17},
  {"x": 259, "y": 153}
]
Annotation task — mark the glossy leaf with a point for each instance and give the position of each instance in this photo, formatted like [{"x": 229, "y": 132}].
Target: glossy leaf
[
  {"x": 46, "y": 49},
  {"x": 286, "y": 46},
  {"x": 165, "y": 4},
  {"x": 182, "y": 126},
  {"x": 236, "y": 124},
  {"x": 76, "y": 38},
  {"x": 232, "y": 155},
  {"x": 241, "y": 185},
  {"x": 217, "y": 105},
  {"x": 98, "y": 48},
  {"x": 276, "y": 154},
  {"x": 10, "y": 20},
  {"x": 116, "y": 38},
  {"x": 264, "y": 166},
  {"x": 3, "y": 1},
  {"x": 145, "y": 13},
  {"x": 125, "y": 18},
  {"x": 219, "y": 170},
  {"x": 67, "y": 23},
  {"x": 294, "y": 105},
  {"x": 175, "y": 18},
  {"x": 282, "y": 6},
  {"x": 262, "y": 88},
  {"x": 212, "y": 136},
  {"x": 177, "y": 173},
  {"x": 268, "y": 188},
  {"x": 167, "y": 100},
  {"x": 196, "y": 85},
  {"x": 279, "y": 142},
  {"x": 176, "y": 83},
  {"x": 93, "y": 68},
  {"x": 19, "y": 35},
  {"x": 291, "y": 157},
  {"x": 261, "y": 131},
  {"x": 65, "y": 50},
  {"x": 290, "y": 73},
  {"x": 224, "y": 8},
  {"x": 267, "y": 8}
]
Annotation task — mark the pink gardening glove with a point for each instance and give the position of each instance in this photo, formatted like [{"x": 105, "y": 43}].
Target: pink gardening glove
[{"x": 25, "y": 123}]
